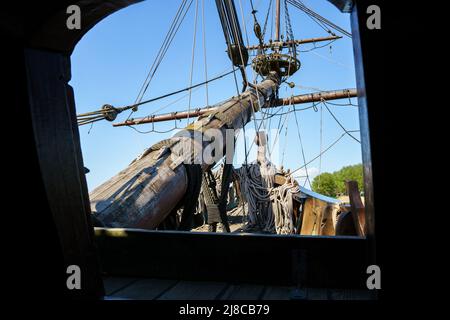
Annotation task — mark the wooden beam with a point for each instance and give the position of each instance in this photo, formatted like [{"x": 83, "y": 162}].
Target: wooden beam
[
  {"x": 280, "y": 44},
  {"x": 59, "y": 154},
  {"x": 333, "y": 262},
  {"x": 357, "y": 207},
  {"x": 300, "y": 99}
]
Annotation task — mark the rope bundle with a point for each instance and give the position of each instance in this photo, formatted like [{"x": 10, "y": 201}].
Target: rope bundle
[
  {"x": 270, "y": 208},
  {"x": 282, "y": 201}
]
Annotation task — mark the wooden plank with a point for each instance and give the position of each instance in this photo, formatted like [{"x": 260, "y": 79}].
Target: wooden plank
[
  {"x": 367, "y": 67},
  {"x": 243, "y": 292},
  {"x": 52, "y": 111},
  {"x": 277, "y": 293},
  {"x": 312, "y": 216},
  {"x": 329, "y": 220},
  {"x": 342, "y": 259},
  {"x": 114, "y": 284},
  {"x": 194, "y": 290},
  {"x": 357, "y": 207},
  {"x": 145, "y": 289}
]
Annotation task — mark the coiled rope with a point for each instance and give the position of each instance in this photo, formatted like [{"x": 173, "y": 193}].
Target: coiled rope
[{"x": 270, "y": 207}]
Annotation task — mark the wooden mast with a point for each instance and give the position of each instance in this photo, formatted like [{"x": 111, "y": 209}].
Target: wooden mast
[
  {"x": 161, "y": 180},
  {"x": 152, "y": 186},
  {"x": 277, "y": 20}
]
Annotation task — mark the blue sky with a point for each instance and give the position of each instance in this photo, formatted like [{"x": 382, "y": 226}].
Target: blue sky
[{"x": 111, "y": 61}]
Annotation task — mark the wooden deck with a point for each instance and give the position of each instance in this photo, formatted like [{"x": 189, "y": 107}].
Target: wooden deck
[{"x": 162, "y": 289}]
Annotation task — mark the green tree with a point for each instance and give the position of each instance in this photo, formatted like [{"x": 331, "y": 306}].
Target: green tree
[
  {"x": 325, "y": 183},
  {"x": 333, "y": 184}
]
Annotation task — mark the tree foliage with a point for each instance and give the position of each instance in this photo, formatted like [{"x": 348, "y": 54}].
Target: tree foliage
[{"x": 333, "y": 184}]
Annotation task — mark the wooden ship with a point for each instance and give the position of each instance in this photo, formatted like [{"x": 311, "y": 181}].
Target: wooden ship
[
  {"x": 141, "y": 224},
  {"x": 172, "y": 187}
]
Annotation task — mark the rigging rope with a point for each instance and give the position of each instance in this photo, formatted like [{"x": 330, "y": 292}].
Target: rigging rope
[
  {"x": 112, "y": 110},
  {"x": 323, "y": 152},
  {"x": 331, "y": 60},
  {"x": 318, "y": 47},
  {"x": 285, "y": 143},
  {"x": 270, "y": 207},
  {"x": 245, "y": 71},
  {"x": 266, "y": 20},
  {"x": 300, "y": 5},
  {"x": 192, "y": 59},
  {"x": 174, "y": 27},
  {"x": 204, "y": 50},
  {"x": 303, "y": 151},
  {"x": 289, "y": 32},
  {"x": 321, "y": 144},
  {"x": 339, "y": 123}
]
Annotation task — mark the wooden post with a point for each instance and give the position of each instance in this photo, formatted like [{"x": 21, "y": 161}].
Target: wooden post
[
  {"x": 59, "y": 154},
  {"x": 357, "y": 207}
]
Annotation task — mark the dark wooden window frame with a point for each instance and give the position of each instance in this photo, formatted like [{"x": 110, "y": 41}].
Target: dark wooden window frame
[{"x": 312, "y": 261}]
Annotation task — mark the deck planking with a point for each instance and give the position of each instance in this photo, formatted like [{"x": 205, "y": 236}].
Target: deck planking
[
  {"x": 170, "y": 289},
  {"x": 145, "y": 289},
  {"x": 194, "y": 290}
]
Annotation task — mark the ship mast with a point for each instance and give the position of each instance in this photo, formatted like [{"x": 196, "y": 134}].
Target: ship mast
[
  {"x": 168, "y": 175},
  {"x": 277, "y": 20}
]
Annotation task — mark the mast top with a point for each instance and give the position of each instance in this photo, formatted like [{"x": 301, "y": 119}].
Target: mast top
[{"x": 284, "y": 64}]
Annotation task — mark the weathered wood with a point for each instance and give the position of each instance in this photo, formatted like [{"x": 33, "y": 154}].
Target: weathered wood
[
  {"x": 57, "y": 142},
  {"x": 329, "y": 220},
  {"x": 312, "y": 215},
  {"x": 332, "y": 261},
  {"x": 357, "y": 207},
  {"x": 319, "y": 217},
  {"x": 137, "y": 196},
  {"x": 369, "y": 69}
]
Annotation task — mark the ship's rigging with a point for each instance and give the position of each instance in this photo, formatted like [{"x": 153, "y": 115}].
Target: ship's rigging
[
  {"x": 237, "y": 51},
  {"x": 138, "y": 201}
]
